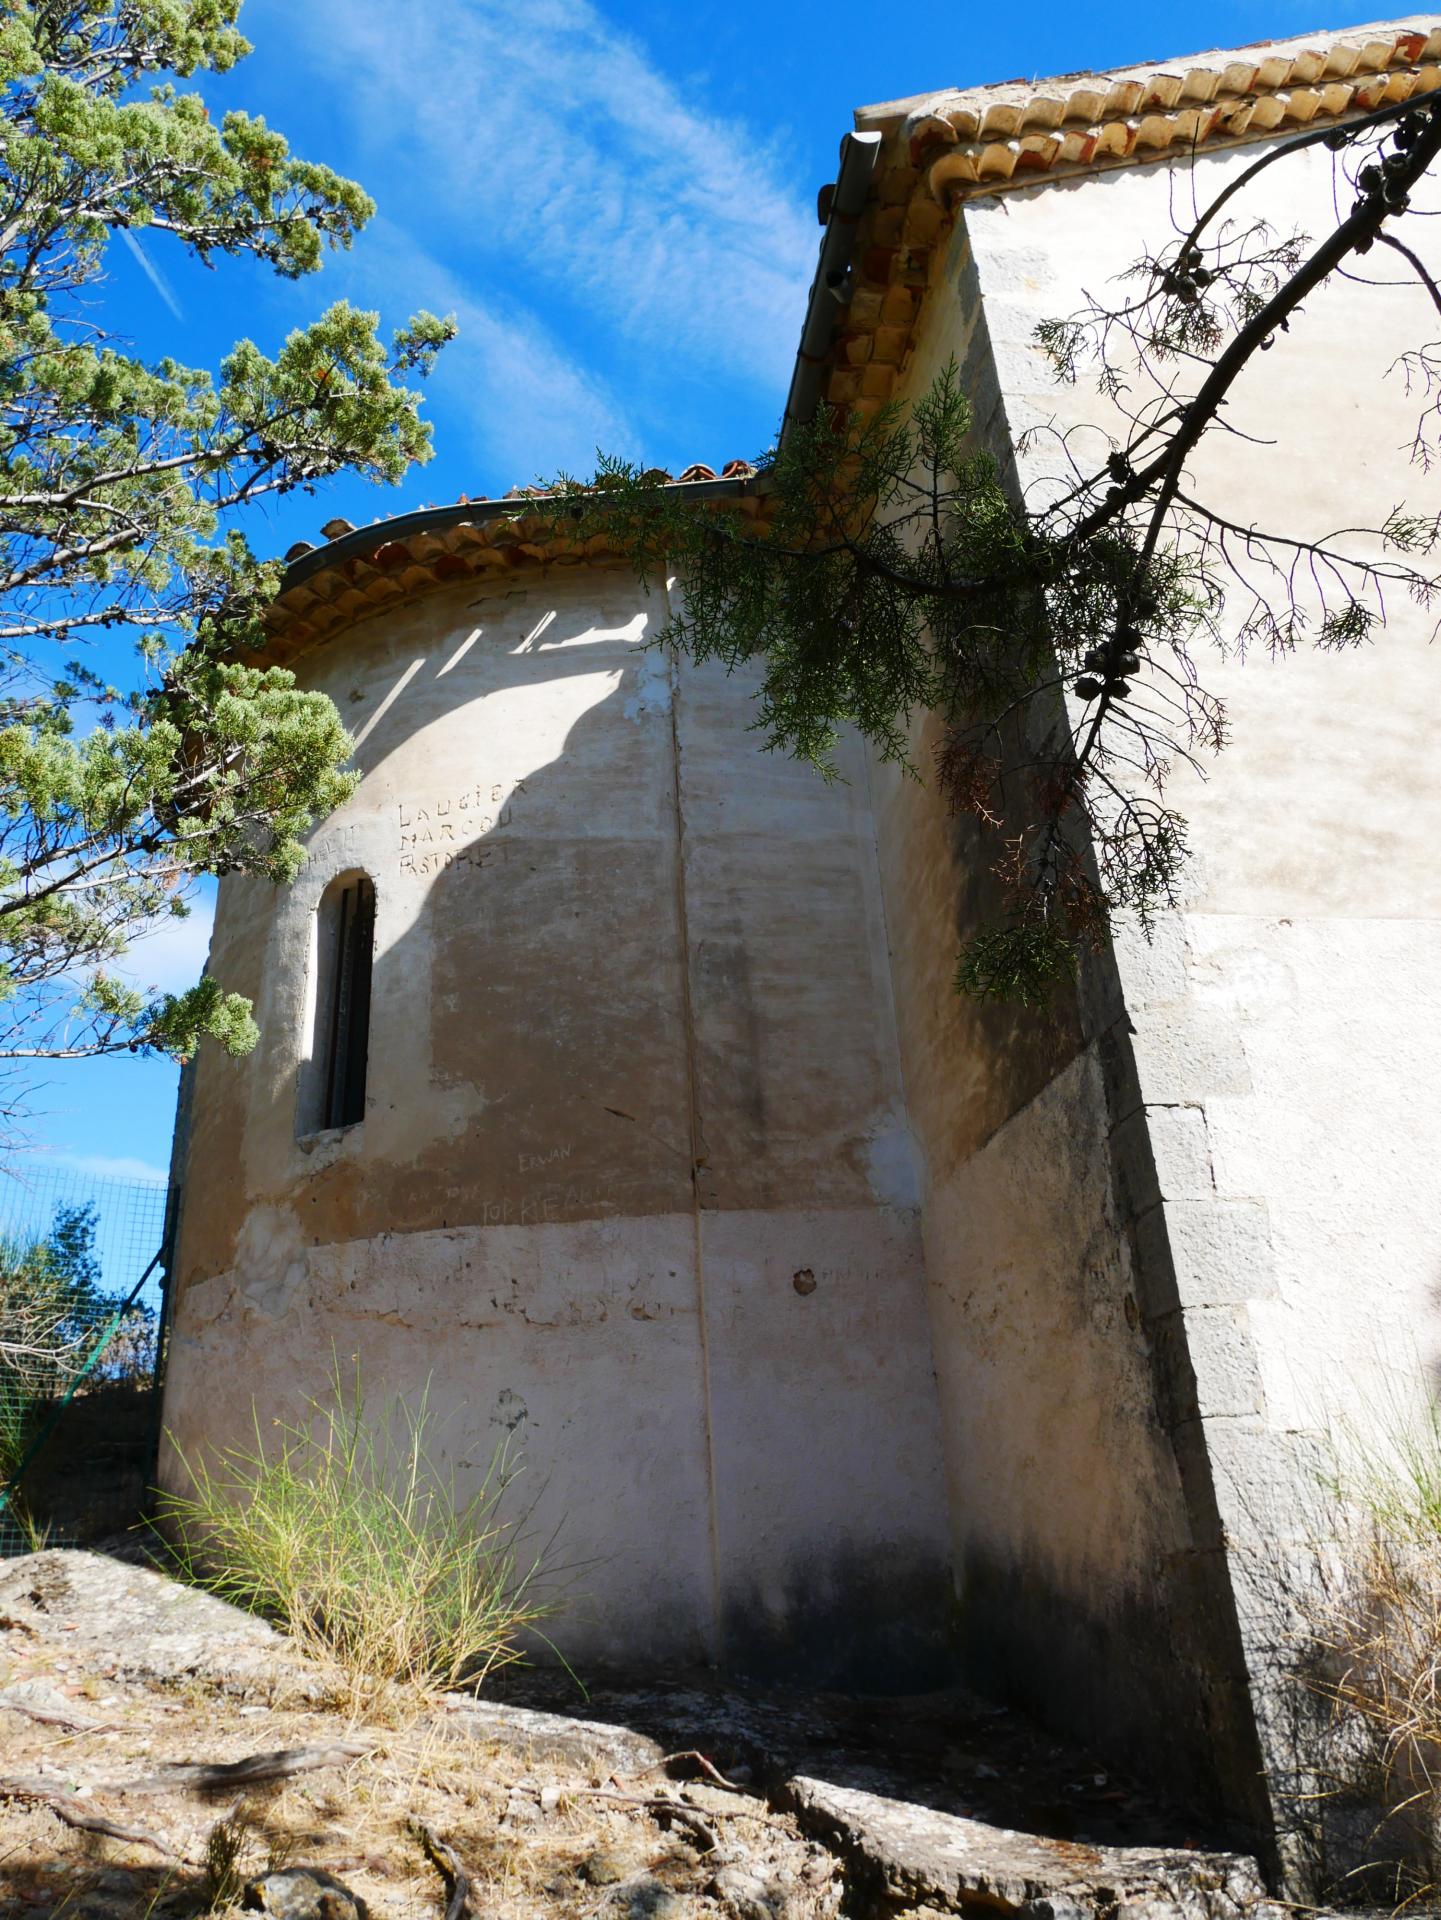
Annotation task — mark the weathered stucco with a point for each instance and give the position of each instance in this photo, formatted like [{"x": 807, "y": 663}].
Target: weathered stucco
[
  {"x": 634, "y": 1184},
  {"x": 1080, "y": 1591},
  {"x": 1180, "y": 1241},
  {"x": 819, "y": 1298}
]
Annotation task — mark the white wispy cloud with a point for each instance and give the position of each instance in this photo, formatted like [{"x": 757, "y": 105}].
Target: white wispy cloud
[
  {"x": 527, "y": 406},
  {"x": 104, "y": 1166},
  {"x": 544, "y": 141}
]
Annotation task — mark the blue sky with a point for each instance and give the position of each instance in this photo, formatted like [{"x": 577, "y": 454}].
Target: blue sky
[{"x": 617, "y": 201}]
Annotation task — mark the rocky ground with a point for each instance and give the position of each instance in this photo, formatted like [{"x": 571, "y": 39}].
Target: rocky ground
[{"x": 162, "y": 1754}]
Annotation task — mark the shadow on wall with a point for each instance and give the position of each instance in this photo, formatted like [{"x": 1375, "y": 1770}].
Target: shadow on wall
[
  {"x": 533, "y": 1066},
  {"x": 527, "y": 987},
  {"x": 857, "y": 1619}
]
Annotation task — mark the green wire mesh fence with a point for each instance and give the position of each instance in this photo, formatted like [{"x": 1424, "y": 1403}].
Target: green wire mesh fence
[{"x": 80, "y": 1333}]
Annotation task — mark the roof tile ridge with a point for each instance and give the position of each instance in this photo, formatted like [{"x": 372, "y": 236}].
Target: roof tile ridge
[
  {"x": 944, "y": 148},
  {"x": 360, "y": 571},
  {"x": 1265, "y": 66}
]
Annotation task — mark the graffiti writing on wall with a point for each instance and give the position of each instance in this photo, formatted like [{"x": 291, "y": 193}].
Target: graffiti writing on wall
[{"x": 444, "y": 832}]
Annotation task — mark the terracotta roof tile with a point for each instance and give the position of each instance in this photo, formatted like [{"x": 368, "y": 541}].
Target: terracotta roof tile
[
  {"x": 985, "y": 136},
  {"x": 412, "y": 554},
  {"x": 941, "y": 149}
]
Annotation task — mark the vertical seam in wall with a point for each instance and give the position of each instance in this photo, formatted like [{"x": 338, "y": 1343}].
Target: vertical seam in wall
[
  {"x": 877, "y": 890},
  {"x": 693, "y": 1108}
]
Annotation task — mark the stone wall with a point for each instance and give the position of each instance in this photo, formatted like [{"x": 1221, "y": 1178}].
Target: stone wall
[
  {"x": 1087, "y": 1585},
  {"x": 634, "y": 1190},
  {"x": 1180, "y": 1240}
]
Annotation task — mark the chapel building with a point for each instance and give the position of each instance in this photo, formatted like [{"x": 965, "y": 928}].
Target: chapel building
[{"x": 613, "y": 1086}]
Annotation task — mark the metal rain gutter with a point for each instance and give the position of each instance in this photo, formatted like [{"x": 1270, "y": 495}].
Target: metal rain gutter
[{"x": 831, "y": 288}]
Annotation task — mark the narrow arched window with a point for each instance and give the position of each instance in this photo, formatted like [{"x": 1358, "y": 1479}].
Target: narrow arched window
[{"x": 333, "y": 1089}]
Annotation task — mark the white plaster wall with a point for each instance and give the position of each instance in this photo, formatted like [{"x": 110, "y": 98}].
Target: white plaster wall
[
  {"x": 633, "y": 1191},
  {"x": 1083, "y": 1590},
  {"x": 1181, "y": 1237},
  {"x": 1294, "y": 1014}
]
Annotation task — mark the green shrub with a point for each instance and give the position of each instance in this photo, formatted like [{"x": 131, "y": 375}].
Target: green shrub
[
  {"x": 53, "y": 1310},
  {"x": 343, "y": 1530}
]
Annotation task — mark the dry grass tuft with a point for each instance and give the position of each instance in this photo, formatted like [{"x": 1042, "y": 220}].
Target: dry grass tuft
[
  {"x": 343, "y": 1529},
  {"x": 225, "y": 1847},
  {"x": 1372, "y": 1659}
]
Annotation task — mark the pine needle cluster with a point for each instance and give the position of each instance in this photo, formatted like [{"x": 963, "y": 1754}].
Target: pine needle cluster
[
  {"x": 120, "y": 486},
  {"x": 897, "y": 571}
]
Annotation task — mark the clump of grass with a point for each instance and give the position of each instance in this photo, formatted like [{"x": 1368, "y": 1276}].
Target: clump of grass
[
  {"x": 224, "y": 1877},
  {"x": 236, "y": 1846},
  {"x": 17, "y": 1423},
  {"x": 344, "y": 1530},
  {"x": 1372, "y": 1657}
]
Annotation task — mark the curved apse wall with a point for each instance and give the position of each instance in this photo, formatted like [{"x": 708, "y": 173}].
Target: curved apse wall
[{"x": 633, "y": 1186}]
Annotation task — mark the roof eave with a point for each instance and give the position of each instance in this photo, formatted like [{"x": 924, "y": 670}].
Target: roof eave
[{"x": 437, "y": 520}]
